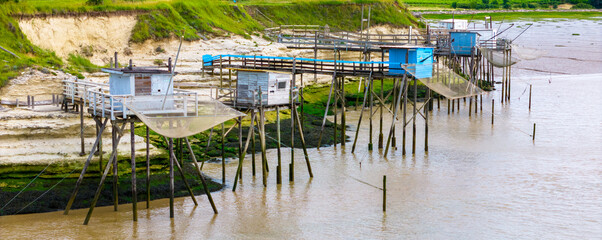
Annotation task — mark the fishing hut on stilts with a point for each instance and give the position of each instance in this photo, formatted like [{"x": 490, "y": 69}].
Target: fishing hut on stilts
[
  {"x": 256, "y": 91},
  {"x": 142, "y": 95}
]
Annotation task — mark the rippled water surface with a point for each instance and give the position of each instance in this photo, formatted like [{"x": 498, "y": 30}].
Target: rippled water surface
[{"x": 477, "y": 181}]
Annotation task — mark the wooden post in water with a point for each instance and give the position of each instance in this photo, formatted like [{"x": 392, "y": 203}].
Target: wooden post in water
[
  {"x": 223, "y": 155},
  {"x": 371, "y": 92},
  {"x": 492, "y": 110},
  {"x": 453, "y": 105},
  {"x": 534, "y": 125},
  {"x": 405, "y": 109},
  {"x": 426, "y": 120},
  {"x": 291, "y": 174},
  {"x": 335, "y": 106},
  {"x": 148, "y": 196},
  {"x": 115, "y": 169},
  {"x": 343, "y": 127},
  {"x": 262, "y": 140},
  {"x": 448, "y": 106},
  {"x": 311, "y": 175},
  {"x": 252, "y": 129},
  {"x": 381, "y": 105},
  {"x": 240, "y": 149},
  {"x": 279, "y": 167},
  {"x": 133, "y": 164},
  {"x": 469, "y": 106},
  {"x": 414, "y": 117},
  {"x": 384, "y": 193},
  {"x": 458, "y": 106},
  {"x": 171, "y": 179},
  {"x": 81, "y": 127}
]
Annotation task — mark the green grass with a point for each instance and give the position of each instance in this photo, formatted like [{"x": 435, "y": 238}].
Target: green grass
[
  {"x": 162, "y": 19},
  {"x": 12, "y": 39}
]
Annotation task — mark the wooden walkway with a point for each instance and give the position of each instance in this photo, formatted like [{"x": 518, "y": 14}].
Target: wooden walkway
[{"x": 376, "y": 70}]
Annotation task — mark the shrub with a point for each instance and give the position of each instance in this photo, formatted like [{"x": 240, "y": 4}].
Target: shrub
[
  {"x": 582, "y": 6},
  {"x": 94, "y": 2},
  {"x": 454, "y": 4}
]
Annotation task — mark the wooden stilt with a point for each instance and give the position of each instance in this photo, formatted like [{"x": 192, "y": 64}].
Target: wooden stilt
[
  {"x": 112, "y": 159},
  {"x": 279, "y": 167},
  {"x": 326, "y": 111},
  {"x": 223, "y": 155},
  {"x": 343, "y": 109},
  {"x": 81, "y": 125},
  {"x": 470, "y": 106},
  {"x": 179, "y": 167},
  {"x": 394, "y": 119},
  {"x": 198, "y": 170},
  {"x": 253, "y": 142},
  {"x": 311, "y": 175},
  {"x": 334, "y": 107},
  {"x": 171, "y": 177},
  {"x": 405, "y": 109},
  {"x": 240, "y": 154},
  {"x": 133, "y": 164},
  {"x": 371, "y": 113},
  {"x": 85, "y": 168},
  {"x": 148, "y": 196},
  {"x": 293, "y": 110},
  {"x": 115, "y": 168},
  {"x": 264, "y": 158},
  {"x": 240, "y": 160},
  {"x": 414, "y": 117},
  {"x": 458, "y": 106},
  {"x": 359, "y": 122},
  {"x": 381, "y": 105},
  {"x": 426, "y": 120}
]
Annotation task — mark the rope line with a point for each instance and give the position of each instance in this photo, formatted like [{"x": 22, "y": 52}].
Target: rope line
[
  {"x": 26, "y": 186},
  {"x": 38, "y": 198}
]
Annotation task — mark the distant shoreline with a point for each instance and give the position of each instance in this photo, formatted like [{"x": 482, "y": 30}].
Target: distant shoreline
[{"x": 464, "y": 12}]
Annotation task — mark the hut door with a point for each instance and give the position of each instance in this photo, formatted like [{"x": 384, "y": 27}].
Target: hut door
[{"x": 142, "y": 85}]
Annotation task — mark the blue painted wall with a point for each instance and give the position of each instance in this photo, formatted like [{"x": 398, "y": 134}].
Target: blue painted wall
[
  {"x": 420, "y": 60},
  {"x": 462, "y": 43},
  {"x": 120, "y": 84}
]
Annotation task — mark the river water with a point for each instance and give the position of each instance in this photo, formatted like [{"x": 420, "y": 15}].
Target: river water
[{"x": 478, "y": 180}]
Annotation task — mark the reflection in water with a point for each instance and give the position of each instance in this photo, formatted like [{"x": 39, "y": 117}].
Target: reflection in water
[{"x": 477, "y": 181}]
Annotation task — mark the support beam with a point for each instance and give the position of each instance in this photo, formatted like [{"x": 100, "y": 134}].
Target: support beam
[
  {"x": 85, "y": 168},
  {"x": 198, "y": 170}
]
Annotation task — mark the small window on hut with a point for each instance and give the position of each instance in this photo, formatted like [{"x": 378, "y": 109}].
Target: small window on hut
[
  {"x": 143, "y": 85},
  {"x": 281, "y": 85}
]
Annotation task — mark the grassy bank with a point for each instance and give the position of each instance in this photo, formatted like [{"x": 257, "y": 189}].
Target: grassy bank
[
  {"x": 161, "y": 19},
  {"x": 51, "y": 190}
]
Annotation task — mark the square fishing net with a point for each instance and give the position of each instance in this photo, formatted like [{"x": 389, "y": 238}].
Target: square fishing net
[
  {"x": 180, "y": 116},
  {"x": 445, "y": 81}
]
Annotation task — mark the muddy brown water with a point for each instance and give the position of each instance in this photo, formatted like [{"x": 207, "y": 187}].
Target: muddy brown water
[{"x": 477, "y": 181}]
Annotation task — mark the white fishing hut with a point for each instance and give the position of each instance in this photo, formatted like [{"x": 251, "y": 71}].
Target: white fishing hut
[
  {"x": 275, "y": 88},
  {"x": 455, "y": 24}
]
